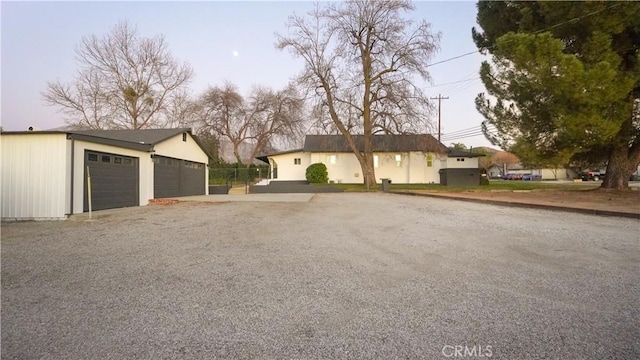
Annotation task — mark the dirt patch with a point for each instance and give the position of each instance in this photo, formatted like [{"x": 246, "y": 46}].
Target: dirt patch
[{"x": 619, "y": 201}]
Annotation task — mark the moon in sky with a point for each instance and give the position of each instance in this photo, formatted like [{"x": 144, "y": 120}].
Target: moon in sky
[{"x": 235, "y": 53}]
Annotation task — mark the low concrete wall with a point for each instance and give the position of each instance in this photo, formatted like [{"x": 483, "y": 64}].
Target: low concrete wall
[
  {"x": 460, "y": 177},
  {"x": 218, "y": 190},
  {"x": 292, "y": 187}
]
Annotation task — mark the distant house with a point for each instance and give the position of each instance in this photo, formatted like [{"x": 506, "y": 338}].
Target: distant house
[
  {"x": 405, "y": 159},
  {"x": 45, "y": 173}
]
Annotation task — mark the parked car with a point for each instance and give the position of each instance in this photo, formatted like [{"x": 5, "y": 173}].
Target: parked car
[
  {"x": 531, "y": 177},
  {"x": 591, "y": 175},
  {"x": 511, "y": 176}
]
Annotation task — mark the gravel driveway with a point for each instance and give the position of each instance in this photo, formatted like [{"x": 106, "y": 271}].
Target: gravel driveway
[{"x": 350, "y": 275}]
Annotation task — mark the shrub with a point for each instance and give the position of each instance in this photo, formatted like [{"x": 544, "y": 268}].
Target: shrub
[
  {"x": 317, "y": 173},
  {"x": 484, "y": 180}
]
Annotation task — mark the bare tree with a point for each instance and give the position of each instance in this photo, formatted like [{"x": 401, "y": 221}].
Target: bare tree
[
  {"x": 361, "y": 61},
  {"x": 263, "y": 120},
  {"x": 182, "y": 110},
  {"x": 124, "y": 82}
]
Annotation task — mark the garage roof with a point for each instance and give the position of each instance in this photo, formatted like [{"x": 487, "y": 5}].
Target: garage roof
[{"x": 142, "y": 140}]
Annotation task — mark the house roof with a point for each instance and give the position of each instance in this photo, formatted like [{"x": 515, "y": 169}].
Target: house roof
[
  {"x": 265, "y": 158},
  {"x": 461, "y": 153},
  {"x": 142, "y": 140},
  {"x": 381, "y": 143}
]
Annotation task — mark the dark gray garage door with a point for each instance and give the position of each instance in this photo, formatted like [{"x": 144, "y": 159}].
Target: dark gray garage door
[
  {"x": 114, "y": 180},
  {"x": 174, "y": 177}
]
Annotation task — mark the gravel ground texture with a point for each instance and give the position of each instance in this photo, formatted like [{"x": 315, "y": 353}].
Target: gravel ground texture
[{"x": 347, "y": 276}]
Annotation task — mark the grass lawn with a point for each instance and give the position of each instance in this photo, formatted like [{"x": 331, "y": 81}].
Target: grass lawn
[{"x": 494, "y": 185}]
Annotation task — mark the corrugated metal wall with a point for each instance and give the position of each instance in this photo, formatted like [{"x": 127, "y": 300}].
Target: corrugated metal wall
[{"x": 34, "y": 176}]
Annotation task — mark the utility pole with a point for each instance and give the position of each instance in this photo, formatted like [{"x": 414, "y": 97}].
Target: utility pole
[{"x": 439, "y": 98}]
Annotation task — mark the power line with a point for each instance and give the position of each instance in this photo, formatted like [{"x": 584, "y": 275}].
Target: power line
[
  {"x": 535, "y": 32},
  {"x": 453, "y": 82},
  {"x": 464, "y": 130},
  {"x": 479, "y": 133},
  {"x": 467, "y": 133}
]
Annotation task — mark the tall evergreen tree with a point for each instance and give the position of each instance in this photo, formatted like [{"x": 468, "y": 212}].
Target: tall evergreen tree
[{"x": 564, "y": 81}]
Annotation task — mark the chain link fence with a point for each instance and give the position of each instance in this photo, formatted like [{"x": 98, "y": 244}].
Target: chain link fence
[{"x": 237, "y": 175}]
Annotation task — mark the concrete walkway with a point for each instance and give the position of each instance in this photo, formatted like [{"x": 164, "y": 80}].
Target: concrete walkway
[{"x": 278, "y": 198}]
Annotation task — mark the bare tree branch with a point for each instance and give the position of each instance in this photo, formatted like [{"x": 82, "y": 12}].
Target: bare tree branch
[
  {"x": 263, "y": 120},
  {"x": 124, "y": 82}
]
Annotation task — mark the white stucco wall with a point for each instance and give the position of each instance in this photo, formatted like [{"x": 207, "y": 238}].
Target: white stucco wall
[
  {"x": 552, "y": 174},
  {"x": 346, "y": 169},
  {"x": 186, "y": 150},
  {"x": 287, "y": 169},
  {"x": 468, "y": 163},
  {"x": 145, "y": 164},
  {"x": 34, "y": 176}
]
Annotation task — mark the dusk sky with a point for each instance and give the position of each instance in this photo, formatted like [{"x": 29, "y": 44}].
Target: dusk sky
[{"x": 38, "y": 41}]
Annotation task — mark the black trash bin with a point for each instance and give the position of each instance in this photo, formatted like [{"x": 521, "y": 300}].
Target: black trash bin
[{"x": 386, "y": 184}]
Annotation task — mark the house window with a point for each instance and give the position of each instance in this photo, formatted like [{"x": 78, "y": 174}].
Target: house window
[
  {"x": 92, "y": 157},
  {"x": 117, "y": 160},
  {"x": 184, "y": 137},
  {"x": 376, "y": 161},
  {"x": 398, "y": 160},
  {"x": 297, "y": 161},
  {"x": 460, "y": 159},
  {"x": 429, "y": 160},
  {"x": 331, "y": 159},
  {"x": 106, "y": 158},
  {"x": 127, "y": 161}
]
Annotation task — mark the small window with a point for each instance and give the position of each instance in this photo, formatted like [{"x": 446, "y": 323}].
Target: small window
[
  {"x": 331, "y": 159},
  {"x": 117, "y": 160},
  {"x": 184, "y": 137},
  {"x": 92, "y": 157},
  {"x": 398, "y": 160},
  {"x": 106, "y": 158},
  {"x": 376, "y": 161},
  {"x": 126, "y": 161},
  {"x": 429, "y": 160},
  {"x": 460, "y": 159},
  {"x": 297, "y": 161}
]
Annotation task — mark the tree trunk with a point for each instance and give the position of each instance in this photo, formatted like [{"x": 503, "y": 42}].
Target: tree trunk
[
  {"x": 368, "y": 172},
  {"x": 237, "y": 153},
  {"x": 623, "y": 160},
  {"x": 619, "y": 169}
]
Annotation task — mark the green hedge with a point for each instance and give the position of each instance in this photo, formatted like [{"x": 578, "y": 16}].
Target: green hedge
[{"x": 317, "y": 174}]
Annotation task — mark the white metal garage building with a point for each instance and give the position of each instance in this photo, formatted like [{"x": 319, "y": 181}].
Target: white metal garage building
[{"x": 44, "y": 173}]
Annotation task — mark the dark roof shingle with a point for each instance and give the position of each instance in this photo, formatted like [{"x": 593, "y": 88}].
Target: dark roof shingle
[
  {"x": 381, "y": 143},
  {"x": 144, "y": 136}
]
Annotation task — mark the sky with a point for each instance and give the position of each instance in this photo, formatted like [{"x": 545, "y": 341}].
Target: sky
[{"x": 222, "y": 41}]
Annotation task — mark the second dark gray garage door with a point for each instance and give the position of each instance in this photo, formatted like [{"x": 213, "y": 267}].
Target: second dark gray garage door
[{"x": 174, "y": 177}]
